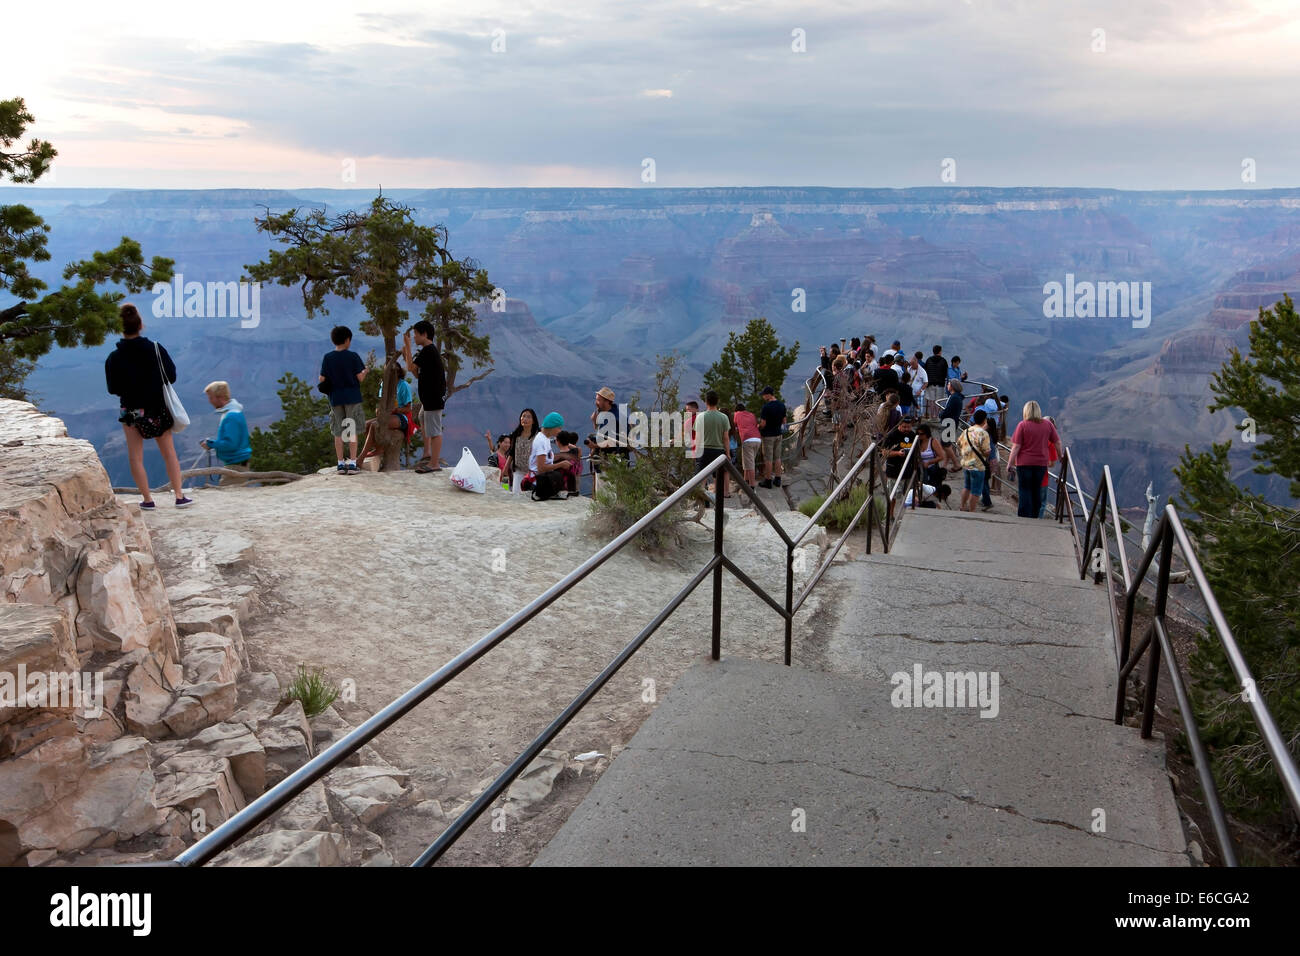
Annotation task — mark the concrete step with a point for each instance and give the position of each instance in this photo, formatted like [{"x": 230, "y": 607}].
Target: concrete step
[{"x": 741, "y": 751}]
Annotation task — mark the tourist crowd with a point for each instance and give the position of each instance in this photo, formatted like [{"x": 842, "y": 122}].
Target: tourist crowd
[{"x": 911, "y": 396}]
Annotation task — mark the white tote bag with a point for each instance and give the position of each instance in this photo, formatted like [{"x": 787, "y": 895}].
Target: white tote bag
[
  {"x": 468, "y": 476},
  {"x": 170, "y": 398}
]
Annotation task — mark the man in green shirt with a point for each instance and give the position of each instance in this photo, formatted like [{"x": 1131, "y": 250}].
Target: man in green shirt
[{"x": 714, "y": 430}]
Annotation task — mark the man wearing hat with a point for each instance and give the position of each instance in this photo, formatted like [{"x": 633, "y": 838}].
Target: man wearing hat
[{"x": 604, "y": 403}]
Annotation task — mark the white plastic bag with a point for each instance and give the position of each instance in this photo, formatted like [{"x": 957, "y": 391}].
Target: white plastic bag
[
  {"x": 180, "y": 419},
  {"x": 468, "y": 476}
]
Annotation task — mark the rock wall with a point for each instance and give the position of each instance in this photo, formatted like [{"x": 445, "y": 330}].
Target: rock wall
[{"x": 130, "y": 723}]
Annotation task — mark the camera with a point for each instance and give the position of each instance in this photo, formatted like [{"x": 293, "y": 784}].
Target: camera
[{"x": 129, "y": 416}]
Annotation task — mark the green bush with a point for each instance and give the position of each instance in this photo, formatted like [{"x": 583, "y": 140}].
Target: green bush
[
  {"x": 312, "y": 689},
  {"x": 627, "y": 493},
  {"x": 838, "y": 515}
]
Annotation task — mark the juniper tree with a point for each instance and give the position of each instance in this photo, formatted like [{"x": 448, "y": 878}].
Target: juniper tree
[
  {"x": 750, "y": 360},
  {"x": 1250, "y": 550},
  {"x": 388, "y": 260},
  {"x": 77, "y": 312}
]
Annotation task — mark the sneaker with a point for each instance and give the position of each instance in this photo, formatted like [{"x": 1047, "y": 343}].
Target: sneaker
[
  {"x": 148, "y": 505},
  {"x": 765, "y": 484},
  {"x": 352, "y": 468},
  {"x": 776, "y": 482},
  {"x": 343, "y": 469},
  {"x": 986, "y": 507},
  {"x": 184, "y": 502}
]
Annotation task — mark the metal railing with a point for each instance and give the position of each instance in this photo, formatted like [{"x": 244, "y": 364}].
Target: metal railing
[
  {"x": 263, "y": 807},
  {"x": 1094, "y": 556}
]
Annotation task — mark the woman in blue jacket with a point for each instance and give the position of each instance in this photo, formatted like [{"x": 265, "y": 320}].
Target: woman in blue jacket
[{"x": 231, "y": 444}]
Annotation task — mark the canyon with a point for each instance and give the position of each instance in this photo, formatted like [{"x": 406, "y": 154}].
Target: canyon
[{"x": 598, "y": 282}]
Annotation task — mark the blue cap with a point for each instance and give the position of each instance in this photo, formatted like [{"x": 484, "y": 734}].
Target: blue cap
[{"x": 553, "y": 420}]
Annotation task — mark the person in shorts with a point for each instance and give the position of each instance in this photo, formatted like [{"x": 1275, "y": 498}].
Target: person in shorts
[
  {"x": 431, "y": 383},
  {"x": 973, "y": 446},
  {"x": 341, "y": 375},
  {"x": 771, "y": 422},
  {"x": 135, "y": 372},
  {"x": 750, "y": 440}
]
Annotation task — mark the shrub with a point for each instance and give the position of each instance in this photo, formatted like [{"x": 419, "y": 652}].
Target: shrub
[
  {"x": 312, "y": 689},
  {"x": 838, "y": 515},
  {"x": 628, "y": 492}
]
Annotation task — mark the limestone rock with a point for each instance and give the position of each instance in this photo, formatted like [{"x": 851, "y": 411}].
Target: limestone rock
[
  {"x": 535, "y": 783},
  {"x": 110, "y": 612},
  {"x": 202, "y": 782},
  {"x": 310, "y": 810},
  {"x": 366, "y": 792},
  {"x": 198, "y": 705},
  {"x": 33, "y": 640},
  {"x": 148, "y": 698},
  {"x": 208, "y": 656},
  {"x": 258, "y": 695},
  {"x": 285, "y": 848},
  {"x": 64, "y": 795},
  {"x": 287, "y": 739},
  {"x": 237, "y": 744}
]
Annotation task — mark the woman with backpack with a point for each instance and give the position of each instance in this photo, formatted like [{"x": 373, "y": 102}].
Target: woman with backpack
[{"x": 136, "y": 372}]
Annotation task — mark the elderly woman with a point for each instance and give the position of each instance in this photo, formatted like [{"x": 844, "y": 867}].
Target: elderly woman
[
  {"x": 1031, "y": 445},
  {"x": 232, "y": 441}
]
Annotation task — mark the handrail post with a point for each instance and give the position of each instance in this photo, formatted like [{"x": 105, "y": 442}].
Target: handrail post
[
  {"x": 719, "y": 496},
  {"x": 871, "y": 495},
  {"x": 1060, "y": 486},
  {"x": 1153, "y": 663},
  {"x": 789, "y": 602}
]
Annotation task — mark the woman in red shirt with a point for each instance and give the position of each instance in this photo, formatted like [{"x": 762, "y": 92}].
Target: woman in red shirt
[
  {"x": 747, "y": 430},
  {"x": 1030, "y": 457}
]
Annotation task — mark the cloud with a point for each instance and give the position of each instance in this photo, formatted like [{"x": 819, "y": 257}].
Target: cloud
[{"x": 882, "y": 93}]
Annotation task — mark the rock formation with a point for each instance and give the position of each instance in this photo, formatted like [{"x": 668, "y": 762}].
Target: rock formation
[{"x": 129, "y": 727}]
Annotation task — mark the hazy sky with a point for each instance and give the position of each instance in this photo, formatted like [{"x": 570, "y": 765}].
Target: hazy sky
[{"x": 285, "y": 94}]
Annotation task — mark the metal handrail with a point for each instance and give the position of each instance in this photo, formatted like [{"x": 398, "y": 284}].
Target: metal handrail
[
  {"x": 264, "y": 806},
  {"x": 1169, "y": 532}
]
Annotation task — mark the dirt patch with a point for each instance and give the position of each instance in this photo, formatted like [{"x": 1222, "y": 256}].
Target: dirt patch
[{"x": 382, "y": 578}]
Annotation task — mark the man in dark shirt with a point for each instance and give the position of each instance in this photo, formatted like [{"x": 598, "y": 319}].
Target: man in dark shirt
[
  {"x": 936, "y": 376},
  {"x": 344, "y": 371},
  {"x": 771, "y": 418},
  {"x": 885, "y": 380},
  {"x": 897, "y": 444},
  {"x": 431, "y": 383}
]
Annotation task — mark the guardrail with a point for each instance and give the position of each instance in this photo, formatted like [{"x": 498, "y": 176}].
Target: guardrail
[
  {"x": 1094, "y": 556},
  {"x": 262, "y": 808}
]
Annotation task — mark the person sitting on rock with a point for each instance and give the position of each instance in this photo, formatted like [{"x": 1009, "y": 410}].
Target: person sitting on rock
[
  {"x": 402, "y": 420},
  {"x": 232, "y": 442}
]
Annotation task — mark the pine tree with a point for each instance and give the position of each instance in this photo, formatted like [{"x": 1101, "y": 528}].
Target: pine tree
[
  {"x": 750, "y": 361},
  {"x": 76, "y": 313},
  {"x": 388, "y": 260},
  {"x": 1250, "y": 550},
  {"x": 301, "y": 440}
]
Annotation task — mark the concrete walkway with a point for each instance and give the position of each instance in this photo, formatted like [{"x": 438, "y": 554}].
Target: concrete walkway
[{"x": 753, "y": 763}]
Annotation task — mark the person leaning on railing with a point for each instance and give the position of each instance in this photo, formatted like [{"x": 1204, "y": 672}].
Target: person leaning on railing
[{"x": 1030, "y": 457}]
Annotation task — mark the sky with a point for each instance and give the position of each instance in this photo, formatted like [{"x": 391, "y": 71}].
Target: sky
[{"x": 1130, "y": 94}]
